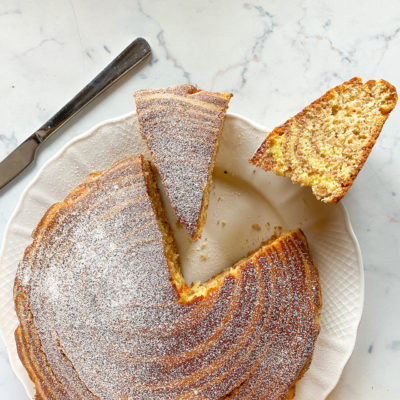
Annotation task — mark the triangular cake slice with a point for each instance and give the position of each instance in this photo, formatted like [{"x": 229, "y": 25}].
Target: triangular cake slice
[
  {"x": 182, "y": 126},
  {"x": 327, "y": 143}
]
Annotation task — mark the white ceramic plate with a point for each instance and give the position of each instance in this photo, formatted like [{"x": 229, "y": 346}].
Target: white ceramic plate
[{"x": 246, "y": 206}]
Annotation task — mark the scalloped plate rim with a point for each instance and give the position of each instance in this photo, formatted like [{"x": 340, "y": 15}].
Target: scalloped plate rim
[{"x": 90, "y": 131}]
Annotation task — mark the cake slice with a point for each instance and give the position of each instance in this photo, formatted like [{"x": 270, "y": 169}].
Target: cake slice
[
  {"x": 182, "y": 126},
  {"x": 326, "y": 144}
]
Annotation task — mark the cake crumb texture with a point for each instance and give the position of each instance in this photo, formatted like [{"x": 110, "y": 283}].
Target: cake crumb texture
[{"x": 327, "y": 143}]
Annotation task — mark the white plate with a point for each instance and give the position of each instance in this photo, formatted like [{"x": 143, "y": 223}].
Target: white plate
[{"x": 241, "y": 196}]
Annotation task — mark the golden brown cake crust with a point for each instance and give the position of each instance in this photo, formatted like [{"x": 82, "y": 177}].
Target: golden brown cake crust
[
  {"x": 264, "y": 157},
  {"x": 182, "y": 126},
  {"x": 100, "y": 319}
]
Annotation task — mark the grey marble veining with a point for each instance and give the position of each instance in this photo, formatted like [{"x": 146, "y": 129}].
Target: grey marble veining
[{"x": 275, "y": 57}]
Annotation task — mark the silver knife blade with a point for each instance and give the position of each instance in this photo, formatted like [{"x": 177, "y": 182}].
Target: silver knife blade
[
  {"x": 24, "y": 154},
  {"x": 18, "y": 160}
]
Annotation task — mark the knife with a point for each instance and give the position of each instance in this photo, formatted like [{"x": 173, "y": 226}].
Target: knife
[{"x": 24, "y": 154}]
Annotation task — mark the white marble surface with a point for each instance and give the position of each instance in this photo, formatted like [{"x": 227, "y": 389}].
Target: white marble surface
[{"x": 275, "y": 57}]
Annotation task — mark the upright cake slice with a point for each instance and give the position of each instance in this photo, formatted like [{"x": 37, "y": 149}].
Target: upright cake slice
[
  {"x": 182, "y": 126},
  {"x": 105, "y": 314},
  {"x": 326, "y": 144}
]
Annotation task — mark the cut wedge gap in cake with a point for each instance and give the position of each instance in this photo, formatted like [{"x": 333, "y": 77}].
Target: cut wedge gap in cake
[
  {"x": 327, "y": 143},
  {"x": 197, "y": 290},
  {"x": 189, "y": 293}
]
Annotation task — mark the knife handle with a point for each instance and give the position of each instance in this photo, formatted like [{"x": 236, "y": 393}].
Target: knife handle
[{"x": 136, "y": 52}]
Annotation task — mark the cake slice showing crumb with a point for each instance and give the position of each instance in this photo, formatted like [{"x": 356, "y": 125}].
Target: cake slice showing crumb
[{"x": 327, "y": 143}]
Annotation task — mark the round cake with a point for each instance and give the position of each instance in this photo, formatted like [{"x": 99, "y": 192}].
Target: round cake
[{"x": 104, "y": 312}]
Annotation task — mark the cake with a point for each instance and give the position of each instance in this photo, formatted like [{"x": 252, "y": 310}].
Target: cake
[
  {"x": 104, "y": 311},
  {"x": 327, "y": 143},
  {"x": 182, "y": 127}
]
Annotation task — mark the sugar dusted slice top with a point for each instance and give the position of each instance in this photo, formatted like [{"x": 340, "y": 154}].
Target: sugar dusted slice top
[{"x": 182, "y": 126}]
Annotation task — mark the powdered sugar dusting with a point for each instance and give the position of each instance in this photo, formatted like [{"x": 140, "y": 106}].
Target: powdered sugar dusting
[
  {"x": 110, "y": 322},
  {"x": 181, "y": 126}
]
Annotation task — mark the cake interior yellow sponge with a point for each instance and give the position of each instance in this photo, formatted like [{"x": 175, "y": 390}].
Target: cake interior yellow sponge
[{"x": 327, "y": 143}]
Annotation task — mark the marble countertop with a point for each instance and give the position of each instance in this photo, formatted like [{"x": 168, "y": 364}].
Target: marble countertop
[{"x": 275, "y": 57}]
